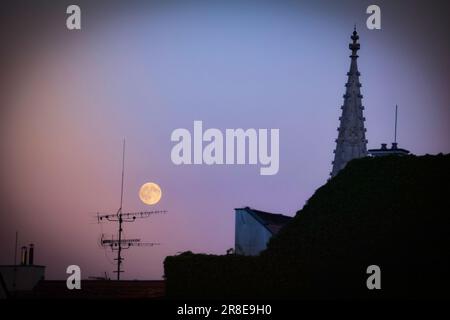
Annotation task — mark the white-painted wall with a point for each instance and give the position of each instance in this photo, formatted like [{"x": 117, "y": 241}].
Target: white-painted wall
[{"x": 22, "y": 277}]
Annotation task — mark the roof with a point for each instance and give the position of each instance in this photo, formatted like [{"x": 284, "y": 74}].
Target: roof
[
  {"x": 272, "y": 221},
  {"x": 389, "y": 151},
  {"x": 21, "y": 266},
  {"x": 99, "y": 289},
  {"x": 385, "y": 151}
]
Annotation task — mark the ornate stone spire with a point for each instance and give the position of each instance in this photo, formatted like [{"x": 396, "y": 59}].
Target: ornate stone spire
[{"x": 351, "y": 142}]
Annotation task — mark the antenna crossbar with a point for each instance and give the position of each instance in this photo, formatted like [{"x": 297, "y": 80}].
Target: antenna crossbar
[{"x": 128, "y": 216}]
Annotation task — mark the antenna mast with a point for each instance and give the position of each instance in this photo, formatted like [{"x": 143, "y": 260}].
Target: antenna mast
[
  {"x": 119, "y": 214},
  {"x": 15, "y": 248},
  {"x": 122, "y": 244},
  {"x": 15, "y": 260},
  {"x": 123, "y": 172},
  {"x": 395, "y": 130}
]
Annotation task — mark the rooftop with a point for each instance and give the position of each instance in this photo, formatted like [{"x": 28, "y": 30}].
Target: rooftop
[
  {"x": 272, "y": 221},
  {"x": 98, "y": 289}
]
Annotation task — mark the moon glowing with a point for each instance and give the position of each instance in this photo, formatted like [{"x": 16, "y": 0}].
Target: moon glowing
[{"x": 150, "y": 193}]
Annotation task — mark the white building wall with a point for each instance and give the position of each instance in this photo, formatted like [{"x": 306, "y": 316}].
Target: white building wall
[
  {"x": 251, "y": 236},
  {"x": 22, "y": 277}
]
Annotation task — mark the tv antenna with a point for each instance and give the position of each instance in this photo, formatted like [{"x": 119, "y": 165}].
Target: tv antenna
[{"x": 121, "y": 217}]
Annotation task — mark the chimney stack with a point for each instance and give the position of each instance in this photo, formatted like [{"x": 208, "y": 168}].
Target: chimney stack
[
  {"x": 31, "y": 255},
  {"x": 23, "y": 260}
]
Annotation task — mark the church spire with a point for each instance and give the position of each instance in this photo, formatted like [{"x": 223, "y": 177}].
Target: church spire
[{"x": 351, "y": 142}]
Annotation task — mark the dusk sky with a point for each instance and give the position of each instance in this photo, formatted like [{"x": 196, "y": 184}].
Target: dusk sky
[{"x": 141, "y": 70}]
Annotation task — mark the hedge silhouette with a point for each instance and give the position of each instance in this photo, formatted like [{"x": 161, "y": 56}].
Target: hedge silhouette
[{"x": 389, "y": 211}]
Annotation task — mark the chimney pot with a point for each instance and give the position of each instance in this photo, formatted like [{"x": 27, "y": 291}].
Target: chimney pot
[
  {"x": 24, "y": 256},
  {"x": 31, "y": 255}
]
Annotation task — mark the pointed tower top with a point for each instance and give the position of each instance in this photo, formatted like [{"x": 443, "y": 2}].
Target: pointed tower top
[
  {"x": 351, "y": 142},
  {"x": 354, "y": 46}
]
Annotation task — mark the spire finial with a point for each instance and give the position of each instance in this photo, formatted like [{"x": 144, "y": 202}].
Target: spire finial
[
  {"x": 354, "y": 46},
  {"x": 354, "y": 36}
]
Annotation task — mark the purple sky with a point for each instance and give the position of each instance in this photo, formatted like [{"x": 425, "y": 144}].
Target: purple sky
[{"x": 70, "y": 97}]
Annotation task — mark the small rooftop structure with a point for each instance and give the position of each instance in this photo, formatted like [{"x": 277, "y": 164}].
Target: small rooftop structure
[
  {"x": 384, "y": 151},
  {"x": 23, "y": 277}
]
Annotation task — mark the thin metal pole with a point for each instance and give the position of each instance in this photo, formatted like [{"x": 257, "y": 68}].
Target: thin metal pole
[
  {"x": 395, "y": 134},
  {"x": 119, "y": 257},
  {"x": 123, "y": 170},
  {"x": 15, "y": 249},
  {"x": 119, "y": 252},
  {"x": 15, "y": 260}
]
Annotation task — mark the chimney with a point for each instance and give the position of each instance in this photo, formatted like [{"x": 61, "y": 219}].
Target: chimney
[
  {"x": 383, "y": 146},
  {"x": 23, "y": 260},
  {"x": 31, "y": 255},
  {"x": 394, "y": 145}
]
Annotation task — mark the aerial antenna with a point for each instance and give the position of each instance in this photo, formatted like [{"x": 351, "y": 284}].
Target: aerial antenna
[
  {"x": 120, "y": 217},
  {"x": 15, "y": 259},
  {"x": 15, "y": 248},
  {"x": 123, "y": 173},
  {"x": 119, "y": 213},
  {"x": 395, "y": 129}
]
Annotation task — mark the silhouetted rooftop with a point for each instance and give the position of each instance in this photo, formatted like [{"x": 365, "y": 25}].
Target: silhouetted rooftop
[
  {"x": 272, "y": 221},
  {"x": 98, "y": 289}
]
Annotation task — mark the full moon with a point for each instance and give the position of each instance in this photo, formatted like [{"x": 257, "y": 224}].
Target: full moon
[{"x": 150, "y": 193}]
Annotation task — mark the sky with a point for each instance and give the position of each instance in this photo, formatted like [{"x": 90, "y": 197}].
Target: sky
[{"x": 139, "y": 70}]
